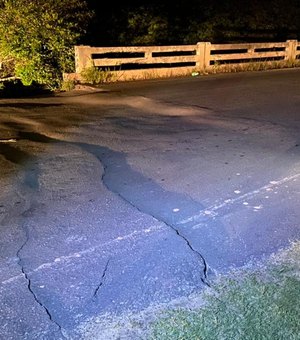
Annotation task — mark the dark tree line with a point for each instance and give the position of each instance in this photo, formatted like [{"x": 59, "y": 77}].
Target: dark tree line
[{"x": 189, "y": 21}]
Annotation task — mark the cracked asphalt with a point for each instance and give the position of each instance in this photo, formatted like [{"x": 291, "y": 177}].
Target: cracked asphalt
[{"x": 136, "y": 194}]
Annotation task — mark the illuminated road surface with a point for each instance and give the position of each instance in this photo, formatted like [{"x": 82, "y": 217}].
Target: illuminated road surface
[{"x": 139, "y": 193}]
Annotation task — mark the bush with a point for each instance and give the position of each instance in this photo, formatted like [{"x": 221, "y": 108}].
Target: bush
[{"x": 39, "y": 36}]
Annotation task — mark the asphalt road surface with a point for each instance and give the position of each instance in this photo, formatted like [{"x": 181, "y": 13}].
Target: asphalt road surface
[{"x": 135, "y": 194}]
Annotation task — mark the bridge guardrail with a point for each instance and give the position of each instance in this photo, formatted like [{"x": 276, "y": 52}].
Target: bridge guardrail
[{"x": 136, "y": 62}]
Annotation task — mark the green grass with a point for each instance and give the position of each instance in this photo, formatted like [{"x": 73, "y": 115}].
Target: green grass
[{"x": 260, "y": 304}]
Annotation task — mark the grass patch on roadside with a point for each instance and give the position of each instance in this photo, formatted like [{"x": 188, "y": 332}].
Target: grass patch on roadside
[
  {"x": 253, "y": 66},
  {"x": 247, "y": 304}
]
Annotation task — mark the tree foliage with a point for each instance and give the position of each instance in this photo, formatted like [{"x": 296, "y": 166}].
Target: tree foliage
[
  {"x": 159, "y": 22},
  {"x": 39, "y": 37},
  {"x": 151, "y": 27}
]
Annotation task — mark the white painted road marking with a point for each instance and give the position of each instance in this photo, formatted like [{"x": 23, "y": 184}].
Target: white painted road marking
[
  {"x": 214, "y": 208},
  {"x": 68, "y": 258}
]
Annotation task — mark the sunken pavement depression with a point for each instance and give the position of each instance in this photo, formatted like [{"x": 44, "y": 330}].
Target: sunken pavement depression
[{"x": 135, "y": 195}]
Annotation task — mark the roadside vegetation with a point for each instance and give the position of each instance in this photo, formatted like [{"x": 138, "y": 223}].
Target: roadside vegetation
[
  {"x": 37, "y": 39},
  {"x": 248, "y": 304},
  {"x": 94, "y": 76},
  {"x": 254, "y": 66}
]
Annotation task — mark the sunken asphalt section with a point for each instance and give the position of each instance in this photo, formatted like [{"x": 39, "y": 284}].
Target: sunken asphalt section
[{"x": 139, "y": 193}]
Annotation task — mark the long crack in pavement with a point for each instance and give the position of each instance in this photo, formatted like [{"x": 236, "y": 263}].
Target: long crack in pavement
[
  {"x": 96, "y": 151},
  {"x": 29, "y": 283},
  {"x": 30, "y": 182}
]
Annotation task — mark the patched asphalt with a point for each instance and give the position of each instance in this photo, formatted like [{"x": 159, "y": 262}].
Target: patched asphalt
[{"x": 139, "y": 193}]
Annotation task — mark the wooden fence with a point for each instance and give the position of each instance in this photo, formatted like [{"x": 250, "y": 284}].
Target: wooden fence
[{"x": 129, "y": 63}]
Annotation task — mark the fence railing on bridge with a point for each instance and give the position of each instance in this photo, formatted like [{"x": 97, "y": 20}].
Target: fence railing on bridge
[{"x": 139, "y": 62}]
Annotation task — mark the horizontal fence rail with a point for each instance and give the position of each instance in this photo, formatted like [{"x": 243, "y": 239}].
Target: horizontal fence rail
[{"x": 136, "y": 62}]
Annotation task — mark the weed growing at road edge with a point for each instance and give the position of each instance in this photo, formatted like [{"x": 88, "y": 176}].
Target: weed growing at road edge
[
  {"x": 93, "y": 75},
  {"x": 67, "y": 85},
  {"x": 252, "y": 66}
]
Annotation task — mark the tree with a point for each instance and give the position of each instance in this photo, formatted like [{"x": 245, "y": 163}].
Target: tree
[
  {"x": 39, "y": 37},
  {"x": 145, "y": 28}
]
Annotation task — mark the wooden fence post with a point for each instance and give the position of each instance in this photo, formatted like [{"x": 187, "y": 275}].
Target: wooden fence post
[
  {"x": 291, "y": 50},
  {"x": 203, "y": 55}
]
